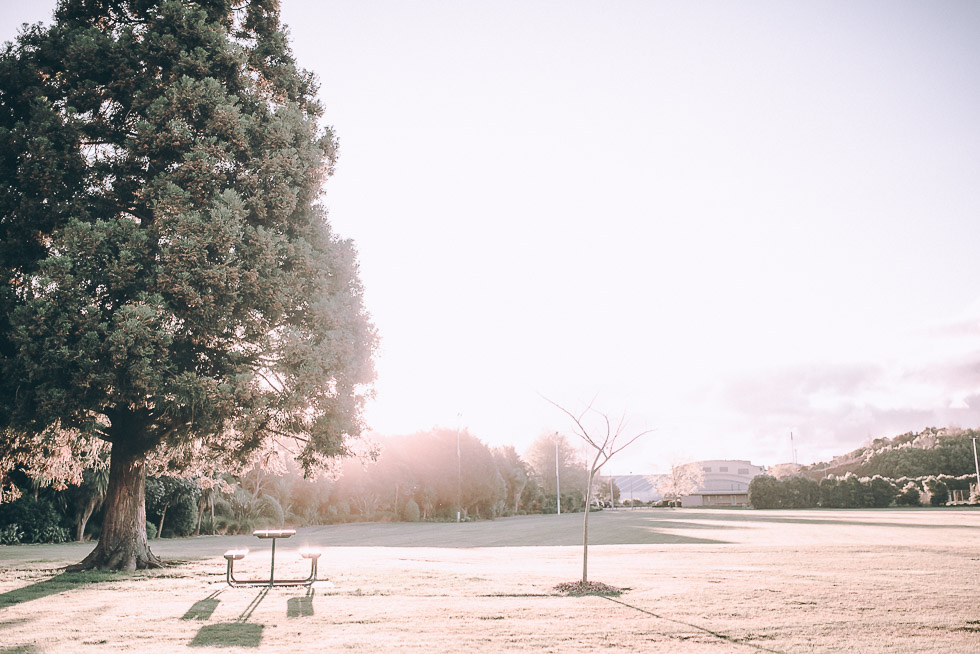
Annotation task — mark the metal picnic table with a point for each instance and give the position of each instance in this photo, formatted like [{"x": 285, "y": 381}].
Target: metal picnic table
[{"x": 270, "y": 534}]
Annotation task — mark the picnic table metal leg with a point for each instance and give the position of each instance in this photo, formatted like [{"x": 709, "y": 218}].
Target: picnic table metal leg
[
  {"x": 272, "y": 572},
  {"x": 234, "y": 555}
]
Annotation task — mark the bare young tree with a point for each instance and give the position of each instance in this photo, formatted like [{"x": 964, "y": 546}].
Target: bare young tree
[{"x": 606, "y": 441}]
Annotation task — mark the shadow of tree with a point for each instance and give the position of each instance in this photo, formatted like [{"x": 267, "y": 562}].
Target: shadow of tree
[
  {"x": 717, "y": 634},
  {"x": 58, "y": 584}
]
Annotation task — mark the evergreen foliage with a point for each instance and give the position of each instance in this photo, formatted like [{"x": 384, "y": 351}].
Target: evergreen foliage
[
  {"x": 852, "y": 492},
  {"x": 938, "y": 491},
  {"x": 411, "y": 513},
  {"x": 910, "y": 495},
  {"x": 168, "y": 281},
  {"x": 915, "y": 454},
  {"x": 32, "y": 520},
  {"x": 764, "y": 492},
  {"x": 172, "y": 503}
]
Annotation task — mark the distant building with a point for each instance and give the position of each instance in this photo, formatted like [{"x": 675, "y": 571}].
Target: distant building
[
  {"x": 642, "y": 488},
  {"x": 726, "y": 483}
]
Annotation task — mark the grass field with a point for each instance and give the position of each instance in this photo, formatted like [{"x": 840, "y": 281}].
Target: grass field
[{"x": 698, "y": 581}]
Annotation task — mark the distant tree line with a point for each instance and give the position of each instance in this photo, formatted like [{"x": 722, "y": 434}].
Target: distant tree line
[
  {"x": 408, "y": 478},
  {"x": 915, "y": 454},
  {"x": 934, "y": 467},
  {"x": 853, "y": 492}
]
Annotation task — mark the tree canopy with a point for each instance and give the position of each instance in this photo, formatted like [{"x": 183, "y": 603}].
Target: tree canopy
[{"x": 169, "y": 283}]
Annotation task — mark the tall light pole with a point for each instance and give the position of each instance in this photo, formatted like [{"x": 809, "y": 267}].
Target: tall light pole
[
  {"x": 631, "y": 490},
  {"x": 459, "y": 473},
  {"x": 975, "y": 463},
  {"x": 557, "y": 481}
]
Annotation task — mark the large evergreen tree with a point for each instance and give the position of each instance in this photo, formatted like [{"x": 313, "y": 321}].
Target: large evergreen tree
[{"x": 168, "y": 282}]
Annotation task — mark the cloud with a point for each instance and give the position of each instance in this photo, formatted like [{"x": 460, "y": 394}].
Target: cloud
[{"x": 834, "y": 408}]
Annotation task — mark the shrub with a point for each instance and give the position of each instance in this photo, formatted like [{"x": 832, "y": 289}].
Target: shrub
[
  {"x": 172, "y": 501},
  {"x": 243, "y": 512},
  {"x": 832, "y": 495},
  {"x": 883, "y": 491},
  {"x": 800, "y": 493},
  {"x": 38, "y": 520},
  {"x": 270, "y": 512},
  {"x": 208, "y": 525},
  {"x": 11, "y": 534},
  {"x": 181, "y": 518},
  {"x": 909, "y": 495},
  {"x": 151, "y": 530},
  {"x": 411, "y": 512},
  {"x": 448, "y": 513},
  {"x": 765, "y": 492},
  {"x": 938, "y": 492}
]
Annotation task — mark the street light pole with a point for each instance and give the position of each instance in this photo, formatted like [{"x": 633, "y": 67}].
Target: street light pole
[
  {"x": 459, "y": 473},
  {"x": 557, "y": 480},
  {"x": 976, "y": 464},
  {"x": 631, "y": 490}
]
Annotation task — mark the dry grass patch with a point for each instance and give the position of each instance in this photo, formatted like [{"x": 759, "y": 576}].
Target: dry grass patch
[{"x": 861, "y": 581}]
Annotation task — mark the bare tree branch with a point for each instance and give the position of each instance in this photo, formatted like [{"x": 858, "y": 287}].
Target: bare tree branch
[{"x": 603, "y": 453}]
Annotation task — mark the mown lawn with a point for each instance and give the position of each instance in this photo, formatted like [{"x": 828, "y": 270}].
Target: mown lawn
[{"x": 697, "y": 580}]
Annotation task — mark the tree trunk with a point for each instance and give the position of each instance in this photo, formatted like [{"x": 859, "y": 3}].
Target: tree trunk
[
  {"x": 82, "y": 518},
  {"x": 517, "y": 497},
  {"x": 201, "y": 506},
  {"x": 585, "y": 532},
  {"x": 122, "y": 545},
  {"x": 163, "y": 514}
]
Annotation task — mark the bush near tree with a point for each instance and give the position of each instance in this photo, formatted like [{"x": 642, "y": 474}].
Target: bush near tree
[
  {"x": 31, "y": 520},
  {"x": 910, "y": 495},
  {"x": 938, "y": 491},
  {"x": 174, "y": 497},
  {"x": 410, "y": 512},
  {"x": 766, "y": 492}
]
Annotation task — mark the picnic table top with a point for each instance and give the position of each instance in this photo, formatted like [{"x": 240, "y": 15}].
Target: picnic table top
[{"x": 273, "y": 533}]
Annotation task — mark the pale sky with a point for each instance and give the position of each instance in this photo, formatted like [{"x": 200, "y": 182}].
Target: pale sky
[{"x": 731, "y": 220}]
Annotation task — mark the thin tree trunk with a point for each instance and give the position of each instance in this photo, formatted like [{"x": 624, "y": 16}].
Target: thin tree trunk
[
  {"x": 200, "y": 518},
  {"x": 163, "y": 514},
  {"x": 83, "y": 517},
  {"x": 201, "y": 506},
  {"x": 585, "y": 533},
  {"x": 517, "y": 498},
  {"x": 122, "y": 544}
]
